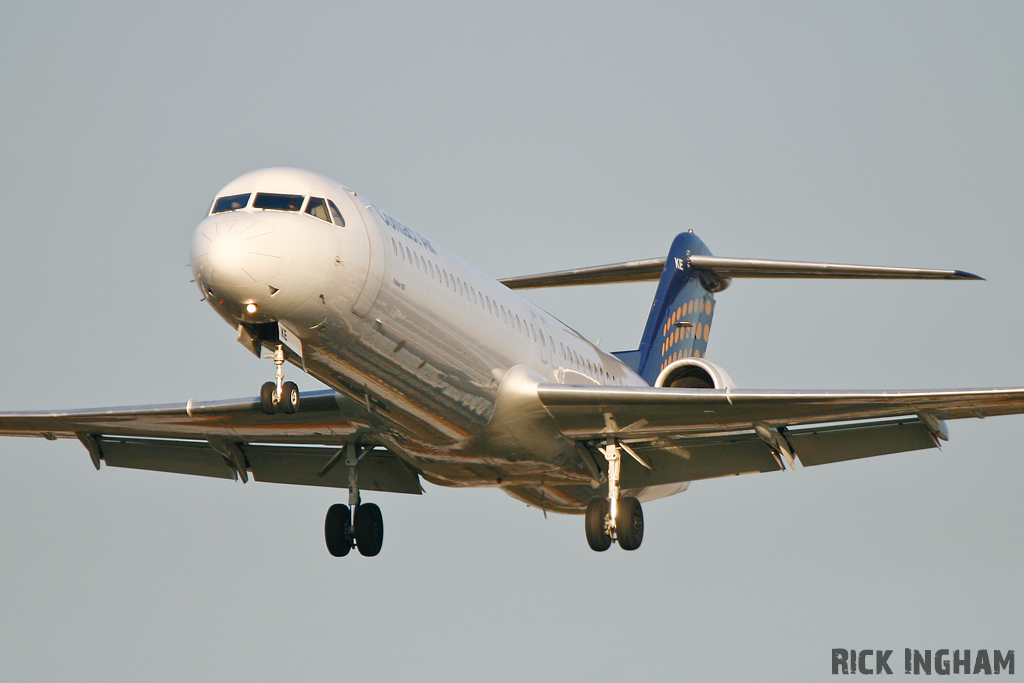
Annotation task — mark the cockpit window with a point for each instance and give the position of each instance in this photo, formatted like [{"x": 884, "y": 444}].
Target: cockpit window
[
  {"x": 278, "y": 202},
  {"x": 235, "y": 201},
  {"x": 335, "y": 214},
  {"x": 318, "y": 207}
]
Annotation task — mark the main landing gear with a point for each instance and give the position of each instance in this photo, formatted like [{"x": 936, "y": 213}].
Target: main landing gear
[
  {"x": 614, "y": 518},
  {"x": 356, "y": 525},
  {"x": 279, "y": 395},
  {"x": 344, "y": 531}
]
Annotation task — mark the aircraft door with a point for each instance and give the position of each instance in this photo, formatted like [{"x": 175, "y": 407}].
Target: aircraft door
[{"x": 375, "y": 270}]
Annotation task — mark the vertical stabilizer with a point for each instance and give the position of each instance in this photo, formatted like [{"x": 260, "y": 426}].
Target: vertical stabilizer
[{"x": 680, "y": 321}]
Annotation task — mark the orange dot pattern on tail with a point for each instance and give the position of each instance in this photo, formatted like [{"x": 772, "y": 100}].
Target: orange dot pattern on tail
[{"x": 687, "y": 330}]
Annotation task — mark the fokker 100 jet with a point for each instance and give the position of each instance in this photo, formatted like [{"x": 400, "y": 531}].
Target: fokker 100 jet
[{"x": 438, "y": 372}]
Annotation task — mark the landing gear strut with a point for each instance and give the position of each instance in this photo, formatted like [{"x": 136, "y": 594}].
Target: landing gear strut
[
  {"x": 358, "y": 525},
  {"x": 280, "y": 394},
  {"x": 614, "y": 518}
]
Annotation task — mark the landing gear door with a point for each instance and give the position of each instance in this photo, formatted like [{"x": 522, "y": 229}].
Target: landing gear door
[{"x": 375, "y": 273}]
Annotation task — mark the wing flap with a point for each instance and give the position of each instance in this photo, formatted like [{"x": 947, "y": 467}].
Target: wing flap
[
  {"x": 850, "y": 442},
  {"x": 379, "y": 470},
  {"x": 180, "y": 457},
  {"x": 675, "y": 460}
]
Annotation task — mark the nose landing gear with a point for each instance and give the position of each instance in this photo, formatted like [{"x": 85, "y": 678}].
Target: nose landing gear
[{"x": 279, "y": 395}]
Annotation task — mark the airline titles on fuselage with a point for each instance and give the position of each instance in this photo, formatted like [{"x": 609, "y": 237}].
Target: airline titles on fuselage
[{"x": 405, "y": 230}]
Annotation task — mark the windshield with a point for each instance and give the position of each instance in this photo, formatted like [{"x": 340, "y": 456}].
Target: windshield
[
  {"x": 235, "y": 201},
  {"x": 318, "y": 207},
  {"x": 335, "y": 214},
  {"x": 278, "y": 202}
]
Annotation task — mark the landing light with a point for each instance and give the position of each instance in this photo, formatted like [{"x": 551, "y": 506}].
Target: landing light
[{"x": 250, "y": 308}]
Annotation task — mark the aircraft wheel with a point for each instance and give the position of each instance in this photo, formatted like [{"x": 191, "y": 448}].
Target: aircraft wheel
[
  {"x": 290, "y": 397},
  {"x": 629, "y": 527},
  {"x": 597, "y": 537},
  {"x": 337, "y": 530},
  {"x": 368, "y": 528},
  {"x": 267, "y": 398}
]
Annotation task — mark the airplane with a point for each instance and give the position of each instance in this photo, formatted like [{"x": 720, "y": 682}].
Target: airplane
[{"x": 438, "y": 372}]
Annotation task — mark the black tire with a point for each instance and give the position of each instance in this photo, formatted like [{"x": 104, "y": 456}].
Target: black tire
[
  {"x": 629, "y": 527},
  {"x": 267, "y": 398},
  {"x": 368, "y": 528},
  {"x": 290, "y": 397},
  {"x": 337, "y": 530},
  {"x": 597, "y": 510}
]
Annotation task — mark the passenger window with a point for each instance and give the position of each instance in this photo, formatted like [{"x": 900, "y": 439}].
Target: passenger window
[
  {"x": 235, "y": 201},
  {"x": 317, "y": 208},
  {"x": 335, "y": 214},
  {"x": 278, "y": 202}
]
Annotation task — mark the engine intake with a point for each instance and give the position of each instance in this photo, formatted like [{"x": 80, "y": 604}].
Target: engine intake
[{"x": 695, "y": 373}]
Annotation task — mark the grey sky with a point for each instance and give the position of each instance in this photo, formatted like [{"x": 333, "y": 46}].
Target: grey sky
[{"x": 525, "y": 138}]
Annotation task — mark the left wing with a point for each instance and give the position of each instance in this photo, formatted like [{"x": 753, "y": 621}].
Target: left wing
[
  {"x": 229, "y": 439},
  {"x": 688, "y": 434}
]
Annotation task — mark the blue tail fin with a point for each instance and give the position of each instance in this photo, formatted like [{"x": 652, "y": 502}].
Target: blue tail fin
[{"x": 680, "y": 319}]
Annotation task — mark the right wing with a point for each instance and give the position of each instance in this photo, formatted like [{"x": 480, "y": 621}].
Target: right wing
[{"x": 229, "y": 439}]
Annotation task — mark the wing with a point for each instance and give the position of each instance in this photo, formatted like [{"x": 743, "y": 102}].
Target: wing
[
  {"x": 688, "y": 434},
  {"x": 229, "y": 439}
]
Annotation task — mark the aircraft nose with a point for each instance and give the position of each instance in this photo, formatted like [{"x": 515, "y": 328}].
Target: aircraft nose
[{"x": 236, "y": 251}]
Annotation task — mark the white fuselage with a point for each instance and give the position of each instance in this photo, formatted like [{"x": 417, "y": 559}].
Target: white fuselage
[{"x": 393, "y": 320}]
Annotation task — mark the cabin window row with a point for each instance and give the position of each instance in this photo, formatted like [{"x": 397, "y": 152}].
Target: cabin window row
[{"x": 492, "y": 307}]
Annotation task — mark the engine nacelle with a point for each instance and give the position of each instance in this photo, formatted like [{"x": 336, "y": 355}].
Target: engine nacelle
[{"x": 695, "y": 373}]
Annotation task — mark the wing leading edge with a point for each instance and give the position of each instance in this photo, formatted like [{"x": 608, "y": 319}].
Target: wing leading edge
[{"x": 580, "y": 411}]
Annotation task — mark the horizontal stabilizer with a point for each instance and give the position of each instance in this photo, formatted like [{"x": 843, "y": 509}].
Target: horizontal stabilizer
[
  {"x": 630, "y": 271},
  {"x": 747, "y": 267},
  {"x": 718, "y": 270}
]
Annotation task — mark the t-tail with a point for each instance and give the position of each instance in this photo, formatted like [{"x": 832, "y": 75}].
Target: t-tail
[{"x": 679, "y": 324}]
